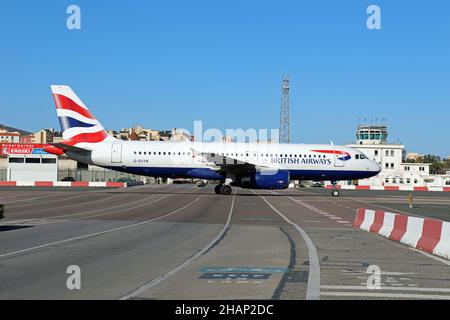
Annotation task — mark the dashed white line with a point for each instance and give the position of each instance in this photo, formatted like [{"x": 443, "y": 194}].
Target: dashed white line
[{"x": 98, "y": 233}]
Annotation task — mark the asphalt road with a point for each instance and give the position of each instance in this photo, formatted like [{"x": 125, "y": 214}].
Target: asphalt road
[{"x": 184, "y": 242}]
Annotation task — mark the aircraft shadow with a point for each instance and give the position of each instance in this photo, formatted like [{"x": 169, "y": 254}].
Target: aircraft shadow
[{"x": 12, "y": 227}]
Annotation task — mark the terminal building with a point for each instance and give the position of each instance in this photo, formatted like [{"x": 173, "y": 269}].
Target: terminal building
[{"x": 372, "y": 141}]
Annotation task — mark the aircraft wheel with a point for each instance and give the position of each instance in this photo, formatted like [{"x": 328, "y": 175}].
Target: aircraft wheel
[
  {"x": 226, "y": 190},
  {"x": 217, "y": 189},
  {"x": 335, "y": 193}
]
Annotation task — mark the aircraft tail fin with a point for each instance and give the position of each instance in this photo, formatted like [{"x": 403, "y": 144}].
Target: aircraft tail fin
[{"x": 77, "y": 123}]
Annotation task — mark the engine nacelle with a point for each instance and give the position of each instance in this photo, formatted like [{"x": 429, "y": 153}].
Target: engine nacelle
[{"x": 276, "y": 179}]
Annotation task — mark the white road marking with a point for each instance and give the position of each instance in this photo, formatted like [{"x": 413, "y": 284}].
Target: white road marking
[
  {"x": 125, "y": 209},
  {"x": 41, "y": 207},
  {"x": 391, "y": 209},
  {"x": 383, "y": 273},
  {"x": 386, "y": 295},
  {"x": 47, "y": 220},
  {"x": 338, "y": 287},
  {"x": 79, "y": 195},
  {"x": 333, "y": 229},
  {"x": 313, "y": 288},
  {"x": 99, "y": 233},
  {"x": 170, "y": 273},
  {"x": 432, "y": 256}
]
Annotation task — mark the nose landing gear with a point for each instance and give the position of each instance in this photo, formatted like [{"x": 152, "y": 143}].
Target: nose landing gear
[{"x": 335, "y": 192}]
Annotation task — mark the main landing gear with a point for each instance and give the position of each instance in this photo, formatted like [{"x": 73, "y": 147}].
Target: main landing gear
[
  {"x": 223, "y": 189},
  {"x": 335, "y": 192}
]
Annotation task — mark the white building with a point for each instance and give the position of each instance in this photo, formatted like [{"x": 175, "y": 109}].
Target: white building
[
  {"x": 32, "y": 167},
  {"x": 372, "y": 141},
  {"x": 9, "y": 137}
]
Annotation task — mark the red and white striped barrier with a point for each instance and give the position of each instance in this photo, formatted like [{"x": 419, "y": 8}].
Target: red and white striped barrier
[
  {"x": 389, "y": 188},
  {"x": 107, "y": 184},
  {"x": 429, "y": 235}
]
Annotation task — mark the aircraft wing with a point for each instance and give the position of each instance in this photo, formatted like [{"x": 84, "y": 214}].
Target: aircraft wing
[{"x": 228, "y": 164}]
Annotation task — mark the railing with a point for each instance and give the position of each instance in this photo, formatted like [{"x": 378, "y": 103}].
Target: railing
[{"x": 100, "y": 175}]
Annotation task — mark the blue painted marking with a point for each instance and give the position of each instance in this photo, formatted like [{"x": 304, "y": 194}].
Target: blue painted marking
[
  {"x": 206, "y": 173},
  {"x": 68, "y": 122},
  {"x": 243, "y": 270},
  {"x": 38, "y": 151}
]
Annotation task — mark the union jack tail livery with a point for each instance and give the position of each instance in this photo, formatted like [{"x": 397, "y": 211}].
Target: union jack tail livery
[{"x": 77, "y": 123}]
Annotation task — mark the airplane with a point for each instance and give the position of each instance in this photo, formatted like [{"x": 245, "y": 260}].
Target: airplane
[{"x": 244, "y": 165}]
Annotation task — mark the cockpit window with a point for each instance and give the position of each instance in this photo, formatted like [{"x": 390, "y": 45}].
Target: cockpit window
[{"x": 362, "y": 156}]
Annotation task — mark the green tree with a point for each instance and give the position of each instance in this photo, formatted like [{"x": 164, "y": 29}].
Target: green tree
[{"x": 437, "y": 165}]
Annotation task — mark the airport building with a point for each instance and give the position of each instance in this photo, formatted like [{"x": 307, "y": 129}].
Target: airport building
[{"x": 372, "y": 141}]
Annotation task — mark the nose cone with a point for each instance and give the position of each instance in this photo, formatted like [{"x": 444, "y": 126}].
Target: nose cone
[{"x": 376, "y": 167}]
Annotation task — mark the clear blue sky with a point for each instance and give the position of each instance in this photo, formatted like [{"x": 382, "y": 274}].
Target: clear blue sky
[{"x": 164, "y": 64}]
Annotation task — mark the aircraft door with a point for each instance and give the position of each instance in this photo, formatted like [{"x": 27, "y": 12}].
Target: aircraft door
[
  {"x": 116, "y": 153},
  {"x": 338, "y": 156}
]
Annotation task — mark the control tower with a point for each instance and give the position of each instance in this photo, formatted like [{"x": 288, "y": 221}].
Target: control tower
[{"x": 371, "y": 134}]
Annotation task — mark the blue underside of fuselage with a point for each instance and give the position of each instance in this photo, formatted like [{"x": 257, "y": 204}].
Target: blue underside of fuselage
[{"x": 208, "y": 174}]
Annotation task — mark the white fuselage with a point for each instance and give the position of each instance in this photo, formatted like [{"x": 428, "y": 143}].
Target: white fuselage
[{"x": 185, "y": 159}]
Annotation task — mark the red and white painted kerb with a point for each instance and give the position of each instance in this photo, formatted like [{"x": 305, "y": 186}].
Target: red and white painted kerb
[
  {"x": 107, "y": 184},
  {"x": 389, "y": 188},
  {"x": 429, "y": 235}
]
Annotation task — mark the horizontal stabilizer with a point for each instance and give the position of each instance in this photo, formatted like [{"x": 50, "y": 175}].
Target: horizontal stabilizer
[{"x": 61, "y": 148}]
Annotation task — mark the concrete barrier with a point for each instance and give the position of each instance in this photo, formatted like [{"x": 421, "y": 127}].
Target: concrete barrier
[
  {"x": 389, "y": 188},
  {"x": 62, "y": 184},
  {"x": 429, "y": 235}
]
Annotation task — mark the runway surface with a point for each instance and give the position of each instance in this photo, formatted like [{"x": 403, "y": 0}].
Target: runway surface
[{"x": 185, "y": 242}]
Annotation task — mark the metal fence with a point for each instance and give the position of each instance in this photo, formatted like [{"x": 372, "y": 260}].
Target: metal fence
[
  {"x": 99, "y": 175},
  {"x": 3, "y": 174}
]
